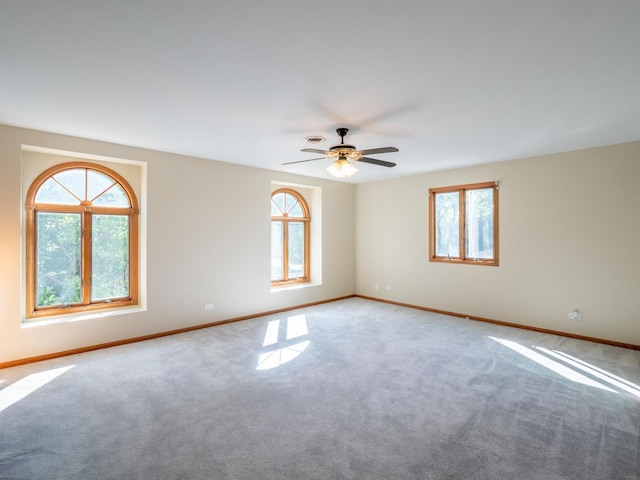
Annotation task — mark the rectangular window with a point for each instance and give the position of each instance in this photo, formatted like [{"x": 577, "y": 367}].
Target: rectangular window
[{"x": 463, "y": 224}]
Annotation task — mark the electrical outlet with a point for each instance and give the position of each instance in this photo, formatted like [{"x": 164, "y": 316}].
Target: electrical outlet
[
  {"x": 208, "y": 306},
  {"x": 389, "y": 287},
  {"x": 376, "y": 287},
  {"x": 575, "y": 315}
]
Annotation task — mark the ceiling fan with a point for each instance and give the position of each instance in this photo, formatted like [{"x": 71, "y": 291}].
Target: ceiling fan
[{"x": 343, "y": 152}]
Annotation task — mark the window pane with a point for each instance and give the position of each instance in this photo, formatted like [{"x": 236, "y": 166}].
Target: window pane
[
  {"x": 278, "y": 201},
  {"x": 58, "y": 258},
  {"x": 296, "y": 211},
  {"x": 109, "y": 257},
  {"x": 114, "y": 197},
  {"x": 296, "y": 250},
  {"x": 52, "y": 192},
  {"x": 97, "y": 182},
  {"x": 447, "y": 213},
  {"x": 479, "y": 223},
  {"x": 292, "y": 206},
  {"x": 73, "y": 180},
  {"x": 275, "y": 211},
  {"x": 289, "y": 201},
  {"x": 276, "y": 251}
]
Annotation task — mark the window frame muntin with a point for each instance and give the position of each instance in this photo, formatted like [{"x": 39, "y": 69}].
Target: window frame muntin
[
  {"x": 86, "y": 212},
  {"x": 285, "y": 219},
  {"x": 462, "y": 189}
]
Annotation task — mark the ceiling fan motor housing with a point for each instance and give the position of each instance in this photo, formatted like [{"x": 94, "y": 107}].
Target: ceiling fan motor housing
[{"x": 342, "y": 146}]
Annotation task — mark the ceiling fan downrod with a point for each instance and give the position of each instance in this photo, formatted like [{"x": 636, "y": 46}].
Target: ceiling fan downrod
[{"x": 342, "y": 132}]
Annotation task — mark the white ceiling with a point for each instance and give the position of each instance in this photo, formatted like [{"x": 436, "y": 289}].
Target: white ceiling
[{"x": 449, "y": 82}]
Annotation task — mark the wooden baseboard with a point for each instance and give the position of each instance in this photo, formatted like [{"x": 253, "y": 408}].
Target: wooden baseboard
[
  {"x": 75, "y": 351},
  {"x": 508, "y": 324},
  {"x": 126, "y": 341}
]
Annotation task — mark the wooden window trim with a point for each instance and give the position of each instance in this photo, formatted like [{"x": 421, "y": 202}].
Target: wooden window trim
[
  {"x": 306, "y": 220},
  {"x": 461, "y": 221},
  {"x": 86, "y": 212}
]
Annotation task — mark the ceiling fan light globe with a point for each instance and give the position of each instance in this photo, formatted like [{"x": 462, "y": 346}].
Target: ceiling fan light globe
[{"x": 342, "y": 169}]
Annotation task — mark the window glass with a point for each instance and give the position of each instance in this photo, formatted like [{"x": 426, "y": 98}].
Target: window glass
[
  {"x": 447, "y": 224},
  {"x": 278, "y": 201},
  {"x": 58, "y": 259},
  {"x": 289, "y": 202},
  {"x": 479, "y": 223},
  {"x": 276, "y": 251},
  {"x": 296, "y": 249},
  {"x": 52, "y": 192},
  {"x": 115, "y": 196},
  {"x": 463, "y": 224},
  {"x": 275, "y": 211},
  {"x": 296, "y": 210},
  {"x": 110, "y": 257},
  {"x": 74, "y": 181},
  {"x": 97, "y": 182}
]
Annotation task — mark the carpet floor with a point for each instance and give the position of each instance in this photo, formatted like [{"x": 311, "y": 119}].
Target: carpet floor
[{"x": 353, "y": 389}]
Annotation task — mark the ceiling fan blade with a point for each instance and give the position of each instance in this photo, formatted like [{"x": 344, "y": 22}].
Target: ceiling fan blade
[
  {"x": 315, "y": 150},
  {"x": 375, "y": 161},
  {"x": 378, "y": 150},
  {"x": 307, "y": 160}
]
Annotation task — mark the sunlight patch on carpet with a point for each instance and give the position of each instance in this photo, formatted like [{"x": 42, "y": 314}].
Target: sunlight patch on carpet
[
  {"x": 279, "y": 357},
  {"x": 29, "y": 384},
  {"x": 271, "y": 335},
  {"x": 597, "y": 372},
  {"x": 296, "y": 328},
  {"x": 551, "y": 364}
]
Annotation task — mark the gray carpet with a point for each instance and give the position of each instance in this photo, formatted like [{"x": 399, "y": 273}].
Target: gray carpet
[{"x": 361, "y": 390}]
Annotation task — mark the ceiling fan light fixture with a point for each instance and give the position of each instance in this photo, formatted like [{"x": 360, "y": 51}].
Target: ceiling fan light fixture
[
  {"x": 341, "y": 168},
  {"x": 343, "y": 153}
]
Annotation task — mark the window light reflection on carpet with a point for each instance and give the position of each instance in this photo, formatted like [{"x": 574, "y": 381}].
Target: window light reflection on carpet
[
  {"x": 571, "y": 367},
  {"x": 614, "y": 380},
  {"x": 296, "y": 328},
  {"x": 27, "y": 385}
]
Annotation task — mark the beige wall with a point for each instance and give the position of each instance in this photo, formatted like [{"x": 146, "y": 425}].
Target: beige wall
[
  {"x": 207, "y": 240},
  {"x": 569, "y": 230},
  {"x": 569, "y": 238}
]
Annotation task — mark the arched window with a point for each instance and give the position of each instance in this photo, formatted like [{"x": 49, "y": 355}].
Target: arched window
[
  {"x": 289, "y": 237},
  {"x": 82, "y": 240}
]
